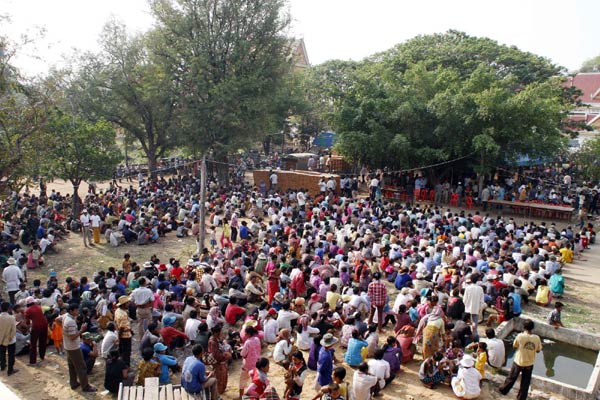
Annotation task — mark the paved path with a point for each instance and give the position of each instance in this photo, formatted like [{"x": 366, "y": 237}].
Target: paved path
[{"x": 586, "y": 271}]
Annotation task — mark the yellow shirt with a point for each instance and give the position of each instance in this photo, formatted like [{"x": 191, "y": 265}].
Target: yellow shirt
[
  {"x": 332, "y": 298},
  {"x": 480, "y": 363},
  {"x": 527, "y": 346},
  {"x": 567, "y": 255},
  {"x": 122, "y": 323}
]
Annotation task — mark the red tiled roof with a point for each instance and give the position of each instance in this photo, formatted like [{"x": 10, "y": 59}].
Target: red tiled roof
[{"x": 589, "y": 84}]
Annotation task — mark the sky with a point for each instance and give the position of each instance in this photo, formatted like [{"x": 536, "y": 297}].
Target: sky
[{"x": 566, "y": 32}]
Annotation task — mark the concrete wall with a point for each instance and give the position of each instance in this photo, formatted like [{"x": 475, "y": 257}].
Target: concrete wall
[{"x": 578, "y": 338}]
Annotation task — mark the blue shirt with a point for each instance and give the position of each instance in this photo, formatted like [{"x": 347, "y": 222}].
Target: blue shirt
[
  {"x": 353, "y": 356},
  {"x": 402, "y": 280},
  {"x": 325, "y": 367},
  {"x": 165, "y": 362},
  {"x": 516, "y": 303},
  {"x": 193, "y": 375}
]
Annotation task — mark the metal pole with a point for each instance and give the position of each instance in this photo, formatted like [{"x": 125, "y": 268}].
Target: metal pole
[{"x": 202, "y": 234}]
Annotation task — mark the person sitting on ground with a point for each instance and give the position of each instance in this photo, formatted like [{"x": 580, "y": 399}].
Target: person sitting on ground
[
  {"x": 466, "y": 383},
  {"x": 381, "y": 369},
  {"x": 363, "y": 383},
  {"x": 116, "y": 372},
  {"x": 432, "y": 370},
  {"x": 554, "y": 318},
  {"x": 148, "y": 367},
  {"x": 89, "y": 350}
]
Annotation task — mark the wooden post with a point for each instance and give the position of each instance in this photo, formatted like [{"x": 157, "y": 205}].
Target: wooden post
[{"x": 202, "y": 234}]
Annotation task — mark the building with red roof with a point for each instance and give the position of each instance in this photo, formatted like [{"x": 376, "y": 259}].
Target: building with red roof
[{"x": 589, "y": 84}]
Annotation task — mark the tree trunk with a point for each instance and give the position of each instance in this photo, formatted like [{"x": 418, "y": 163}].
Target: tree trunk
[
  {"x": 152, "y": 162},
  {"x": 222, "y": 167},
  {"x": 43, "y": 188},
  {"x": 202, "y": 235},
  {"x": 76, "y": 201}
]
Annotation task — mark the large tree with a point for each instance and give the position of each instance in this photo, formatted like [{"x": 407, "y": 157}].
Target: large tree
[
  {"x": 442, "y": 97},
  {"x": 76, "y": 149},
  {"x": 229, "y": 58},
  {"x": 127, "y": 85},
  {"x": 23, "y": 108}
]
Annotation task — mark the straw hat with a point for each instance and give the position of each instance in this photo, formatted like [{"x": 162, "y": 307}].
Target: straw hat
[
  {"x": 299, "y": 301},
  {"x": 11, "y": 261},
  {"x": 251, "y": 322},
  {"x": 123, "y": 300}
]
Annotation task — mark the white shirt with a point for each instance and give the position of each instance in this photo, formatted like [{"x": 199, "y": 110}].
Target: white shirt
[
  {"x": 303, "y": 340},
  {"x": 284, "y": 318},
  {"x": 191, "y": 328},
  {"x": 381, "y": 369},
  {"x": 473, "y": 299},
  {"x": 12, "y": 276},
  {"x": 85, "y": 219},
  {"x": 95, "y": 221},
  {"x": 471, "y": 378},
  {"x": 108, "y": 343},
  {"x": 362, "y": 384},
  {"x": 141, "y": 296},
  {"x": 496, "y": 351},
  {"x": 282, "y": 349},
  {"x": 270, "y": 329}
]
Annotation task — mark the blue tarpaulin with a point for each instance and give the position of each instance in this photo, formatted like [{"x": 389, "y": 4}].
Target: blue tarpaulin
[{"x": 325, "y": 139}]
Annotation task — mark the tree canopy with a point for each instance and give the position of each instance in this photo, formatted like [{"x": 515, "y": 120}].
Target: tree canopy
[{"x": 441, "y": 97}]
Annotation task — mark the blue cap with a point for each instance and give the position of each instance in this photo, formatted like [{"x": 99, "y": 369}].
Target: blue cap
[
  {"x": 159, "y": 347},
  {"x": 168, "y": 321}
]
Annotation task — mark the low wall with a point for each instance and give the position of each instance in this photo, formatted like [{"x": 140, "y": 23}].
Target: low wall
[
  {"x": 308, "y": 180},
  {"x": 571, "y": 336}
]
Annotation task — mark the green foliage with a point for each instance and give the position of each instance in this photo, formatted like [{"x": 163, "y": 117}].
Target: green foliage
[
  {"x": 441, "y": 97},
  {"x": 76, "y": 149},
  {"x": 587, "y": 159},
  {"x": 229, "y": 59},
  {"x": 591, "y": 65},
  {"x": 127, "y": 85}
]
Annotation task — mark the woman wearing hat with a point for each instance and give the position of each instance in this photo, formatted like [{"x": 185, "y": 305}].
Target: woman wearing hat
[
  {"x": 466, "y": 383},
  {"x": 123, "y": 324},
  {"x": 325, "y": 361}
]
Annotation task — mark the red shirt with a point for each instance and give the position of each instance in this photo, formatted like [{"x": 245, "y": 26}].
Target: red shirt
[
  {"x": 377, "y": 292},
  {"x": 169, "y": 333},
  {"x": 35, "y": 314},
  {"x": 232, "y": 312},
  {"x": 176, "y": 272}
]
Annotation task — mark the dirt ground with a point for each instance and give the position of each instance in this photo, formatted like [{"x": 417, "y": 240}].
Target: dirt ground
[{"x": 49, "y": 380}]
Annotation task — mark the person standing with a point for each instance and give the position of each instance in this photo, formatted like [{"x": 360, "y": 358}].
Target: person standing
[
  {"x": 8, "y": 339},
  {"x": 95, "y": 221},
  {"x": 86, "y": 221},
  {"x": 39, "y": 330},
  {"x": 377, "y": 293},
  {"x": 124, "y": 327},
  {"x": 194, "y": 378},
  {"x": 325, "y": 362},
  {"x": 77, "y": 369},
  {"x": 527, "y": 345},
  {"x": 143, "y": 299},
  {"x": 12, "y": 277},
  {"x": 473, "y": 299},
  {"x": 217, "y": 349}
]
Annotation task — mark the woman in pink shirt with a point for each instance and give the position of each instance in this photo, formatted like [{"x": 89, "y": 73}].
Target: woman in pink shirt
[{"x": 250, "y": 354}]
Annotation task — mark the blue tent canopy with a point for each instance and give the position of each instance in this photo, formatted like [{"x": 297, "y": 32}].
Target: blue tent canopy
[{"x": 325, "y": 139}]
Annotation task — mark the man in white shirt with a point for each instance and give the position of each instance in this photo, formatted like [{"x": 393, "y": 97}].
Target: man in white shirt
[
  {"x": 12, "y": 276},
  {"x": 283, "y": 348},
  {"x": 381, "y": 369},
  {"x": 95, "y": 224},
  {"x": 271, "y": 326},
  {"x": 110, "y": 341},
  {"x": 85, "y": 227},
  {"x": 273, "y": 181},
  {"x": 495, "y": 348},
  {"x": 473, "y": 299},
  {"x": 143, "y": 299},
  {"x": 362, "y": 382},
  {"x": 286, "y": 316},
  {"x": 191, "y": 325}
]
